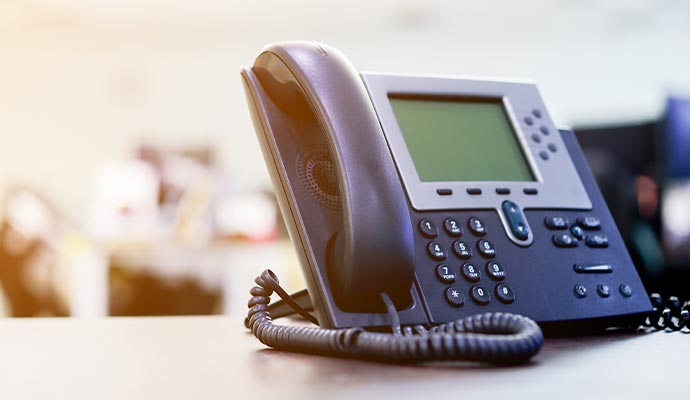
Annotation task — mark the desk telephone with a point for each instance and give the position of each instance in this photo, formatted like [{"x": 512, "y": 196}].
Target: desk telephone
[{"x": 416, "y": 202}]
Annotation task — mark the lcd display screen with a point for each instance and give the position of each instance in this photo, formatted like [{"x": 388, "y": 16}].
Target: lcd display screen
[{"x": 460, "y": 139}]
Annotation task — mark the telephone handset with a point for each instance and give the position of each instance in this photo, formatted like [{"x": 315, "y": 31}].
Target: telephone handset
[
  {"x": 319, "y": 103},
  {"x": 417, "y": 201}
]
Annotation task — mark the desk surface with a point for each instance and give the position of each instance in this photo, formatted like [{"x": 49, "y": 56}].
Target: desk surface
[{"x": 215, "y": 358}]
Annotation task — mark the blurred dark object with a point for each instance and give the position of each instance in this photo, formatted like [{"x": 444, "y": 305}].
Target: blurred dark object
[
  {"x": 676, "y": 146},
  {"x": 29, "y": 235},
  {"x": 639, "y": 167},
  {"x": 165, "y": 280},
  {"x": 177, "y": 168},
  {"x": 139, "y": 293}
]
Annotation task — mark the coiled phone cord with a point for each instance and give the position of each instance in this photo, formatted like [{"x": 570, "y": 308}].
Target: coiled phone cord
[
  {"x": 497, "y": 338},
  {"x": 670, "y": 314}
]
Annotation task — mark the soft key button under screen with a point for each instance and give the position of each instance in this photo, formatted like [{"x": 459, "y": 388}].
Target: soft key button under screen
[{"x": 516, "y": 220}]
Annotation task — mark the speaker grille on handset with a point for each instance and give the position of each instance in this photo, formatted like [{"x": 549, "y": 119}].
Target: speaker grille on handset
[{"x": 318, "y": 175}]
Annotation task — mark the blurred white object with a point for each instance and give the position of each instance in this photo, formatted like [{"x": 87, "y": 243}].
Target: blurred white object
[
  {"x": 251, "y": 215},
  {"x": 124, "y": 201},
  {"x": 88, "y": 280},
  {"x": 675, "y": 218}
]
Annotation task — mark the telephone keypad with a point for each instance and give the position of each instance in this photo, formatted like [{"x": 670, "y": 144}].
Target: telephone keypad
[
  {"x": 480, "y": 295},
  {"x": 428, "y": 228},
  {"x": 436, "y": 251},
  {"x": 462, "y": 250},
  {"x": 495, "y": 271},
  {"x": 452, "y": 227},
  {"x": 470, "y": 272},
  {"x": 504, "y": 293},
  {"x": 477, "y": 226},
  {"x": 454, "y": 297},
  {"x": 445, "y": 274},
  {"x": 486, "y": 248}
]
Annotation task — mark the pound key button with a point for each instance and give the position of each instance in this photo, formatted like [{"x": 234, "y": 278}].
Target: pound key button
[
  {"x": 564, "y": 240},
  {"x": 486, "y": 248},
  {"x": 428, "y": 228},
  {"x": 454, "y": 297},
  {"x": 495, "y": 271},
  {"x": 505, "y": 294},
  {"x": 480, "y": 295},
  {"x": 436, "y": 251}
]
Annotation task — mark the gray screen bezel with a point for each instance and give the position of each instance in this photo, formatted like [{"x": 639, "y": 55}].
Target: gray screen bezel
[{"x": 557, "y": 181}]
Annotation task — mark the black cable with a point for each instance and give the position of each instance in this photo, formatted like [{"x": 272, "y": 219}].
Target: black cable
[
  {"x": 496, "y": 338},
  {"x": 669, "y": 314}
]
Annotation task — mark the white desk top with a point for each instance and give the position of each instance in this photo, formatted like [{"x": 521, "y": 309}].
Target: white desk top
[{"x": 215, "y": 358}]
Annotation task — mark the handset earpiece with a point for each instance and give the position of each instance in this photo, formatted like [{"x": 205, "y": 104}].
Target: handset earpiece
[{"x": 373, "y": 250}]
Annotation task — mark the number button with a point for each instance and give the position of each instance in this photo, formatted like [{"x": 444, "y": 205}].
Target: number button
[
  {"x": 462, "y": 250},
  {"x": 480, "y": 295},
  {"x": 454, "y": 297},
  {"x": 445, "y": 274},
  {"x": 452, "y": 227},
  {"x": 486, "y": 249},
  {"x": 428, "y": 228},
  {"x": 495, "y": 271},
  {"x": 505, "y": 294},
  {"x": 470, "y": 272},
  {"x": 436, "y": 251},
  {"x": 477, "y": 226}
]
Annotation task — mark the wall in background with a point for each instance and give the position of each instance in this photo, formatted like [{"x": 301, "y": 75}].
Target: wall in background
[{"x": 84, "y": 81}]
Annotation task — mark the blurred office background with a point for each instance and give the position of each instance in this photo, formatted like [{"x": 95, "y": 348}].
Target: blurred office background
[{"x": 131, "y": 182}]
